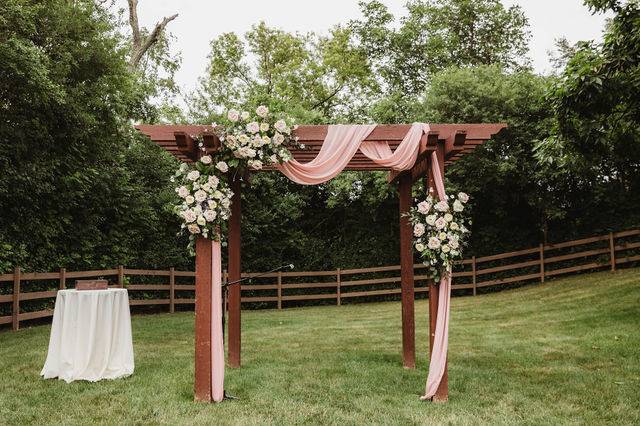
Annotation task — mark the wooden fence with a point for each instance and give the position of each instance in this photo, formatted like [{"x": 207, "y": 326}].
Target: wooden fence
[{"x": 173, "y": 288}]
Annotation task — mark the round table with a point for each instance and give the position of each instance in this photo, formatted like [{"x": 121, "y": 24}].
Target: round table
[{"x": 90, "y": 336}]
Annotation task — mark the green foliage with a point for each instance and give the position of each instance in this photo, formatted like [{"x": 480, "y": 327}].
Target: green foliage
[{"x": 437, "y": 34}]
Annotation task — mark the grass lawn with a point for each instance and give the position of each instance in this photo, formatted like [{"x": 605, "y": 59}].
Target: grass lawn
[{"x": 567, "y": 351}]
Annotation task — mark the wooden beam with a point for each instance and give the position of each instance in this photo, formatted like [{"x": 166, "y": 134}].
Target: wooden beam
[
  {"x": 204, "y": 282},
  {"x": 406, "y": 274},
  {"x": 186, "y": 145},
  {"x": 442, "y": 394},
  {"x": 235, "y": 269}
]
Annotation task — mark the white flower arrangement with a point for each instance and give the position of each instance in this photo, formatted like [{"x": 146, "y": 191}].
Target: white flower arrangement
[
  {"x": 248, "y": 141},
  {"x": 204, "y": 199},
  {"x": 255, "y": 140},
  {"x": 439, "y": 232}
]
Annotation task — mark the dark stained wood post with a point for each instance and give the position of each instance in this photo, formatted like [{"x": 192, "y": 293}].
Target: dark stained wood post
[
  {"x": 204, "y": 282},
  {"x": 63, "y": 279},
  {"x": 172, "y": 290},
  {"x": 406, "y": 274},
  {"x": 442, "y": 394},
  {"x": 235, "y": 269},
  {"x": 612, "y": 251}
]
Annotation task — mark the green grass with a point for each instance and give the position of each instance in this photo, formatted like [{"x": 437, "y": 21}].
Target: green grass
[{"x": 564, "y": 352}]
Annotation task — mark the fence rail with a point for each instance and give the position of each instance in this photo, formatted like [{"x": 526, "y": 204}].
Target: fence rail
[{"x": 280, "y": 289}]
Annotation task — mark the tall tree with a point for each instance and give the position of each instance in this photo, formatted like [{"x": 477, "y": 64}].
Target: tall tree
[
  {"x": 72, "y": 192},
  {"x": 437, "y": 34}
]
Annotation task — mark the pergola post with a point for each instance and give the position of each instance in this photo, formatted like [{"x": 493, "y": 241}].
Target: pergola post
[
  {"x": 442, "y": 394},
  {"x": 235, "y": 269},
  {"x": 204, "y": 283},
  {"x": 406, "y": 274}
]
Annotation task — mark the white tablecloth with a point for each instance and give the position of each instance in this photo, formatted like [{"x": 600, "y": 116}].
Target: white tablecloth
[{"x": 90, "y": 336}]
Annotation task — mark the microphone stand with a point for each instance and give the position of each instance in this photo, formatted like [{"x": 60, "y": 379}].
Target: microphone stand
[{"x": 225, "y": 297}]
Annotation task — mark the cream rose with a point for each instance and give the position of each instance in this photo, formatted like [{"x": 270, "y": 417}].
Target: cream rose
[
  {"x": 222, "y": 166},
  {"x": 193, "y": 175},
  {"x": 206, "y": 159}
]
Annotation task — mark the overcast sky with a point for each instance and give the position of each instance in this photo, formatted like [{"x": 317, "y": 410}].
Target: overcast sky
[{"x": 200, "y": 21}]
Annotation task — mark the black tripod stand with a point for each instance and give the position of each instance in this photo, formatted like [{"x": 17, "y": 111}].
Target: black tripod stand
[{"x": 225, "y": 288}]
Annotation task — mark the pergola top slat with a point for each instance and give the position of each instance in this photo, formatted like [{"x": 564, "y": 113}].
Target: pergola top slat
[{"x": 459, "y": 139}]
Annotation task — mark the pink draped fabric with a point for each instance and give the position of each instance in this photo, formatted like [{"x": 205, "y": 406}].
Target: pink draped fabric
[
  {"x": 341, "y": 144},
  {"x": 438, "y": 361},
  {"x": 217, "y": 341}
]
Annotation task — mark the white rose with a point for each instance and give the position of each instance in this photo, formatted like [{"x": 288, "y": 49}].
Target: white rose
[
  {"x": 264, "y": 127},
  {"x": 194, "y": 229},
  {"x": 189, "y": 215},
  {"x": 280, "y": 125},
  {"x": 278, "y": 139},
  {"x": 253, "y": 127},
  {"x": 455, "y": 252},
  {"x": 244, "y": 115},
  {"x": 424, "y": 207},
  {"x": 431, "y": 220},
  {"x": 206, "y": 186},
  {"x": 201, "y": 221},
  {"x": 440, "y": 223},
  {"x": 249, "y": 152},
  {"x": 454, "y": 244},
  {"x": 448, "y": 217},
  {"x": 210, "y": 215},
  {"x": 255, "y": 164},
  {"x": 183, "y": 191},
  {"x": 418, "y": 229},
  {"x": 273, "y": 159},
  {"x": 442, "y": 206},
  {"x": 206, "y": 159},
  {"x": 213, "y": 181},
  {"x": 233, "y": 115},
  {"x": 189, "y": 199},
  {"x": 193, "y": 175},
  {"x": 217, "y": 195},
  {"x": 457, "y": 206},
  {"x": 222, "y": 166},
  {"x": 446, "y": 248},
  {"x": 262, "y": 111},
  {"x": 225, "y": 203},
  {"x": 420, "y": 247},
  {"x": 200, "y": 195},
  {"x": 433, "y": 243},
  {"x": 463, "y": 197},
  {"x": 197, "y": 210},
  {"x": 212, "y": 204}
]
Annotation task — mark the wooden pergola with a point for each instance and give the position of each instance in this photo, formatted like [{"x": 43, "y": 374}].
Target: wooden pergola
[{"x": 449, "y": 141}]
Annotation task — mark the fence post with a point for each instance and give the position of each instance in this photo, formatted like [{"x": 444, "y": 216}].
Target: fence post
[
  {"x": 63, "y": 279},
  {"x": 172, "y": 290},
  {"x": 16, "y": 299},
  {"x": 279, "y": 289},
  {"x": 339, "y": 301},
  {"x": 612, "y": 249},
  {"x": 473, "y": 270},
  {"x": 121, "y": 276},
  {"x": 541, "y": 262}
]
